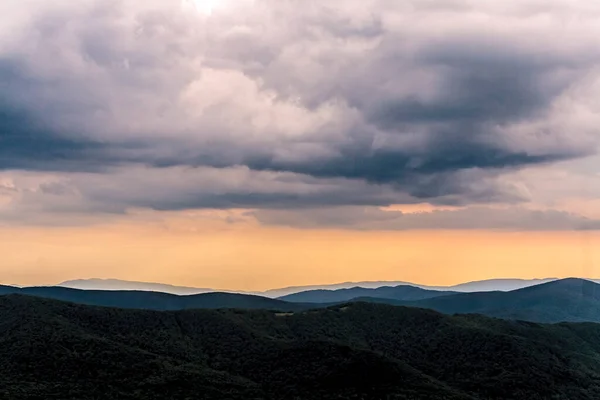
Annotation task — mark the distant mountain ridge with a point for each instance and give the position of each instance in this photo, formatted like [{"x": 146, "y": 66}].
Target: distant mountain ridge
[
  {"x": 570, "y": 300},
  {"x": 401, "y": 292},
  {"x": 117, "y": 284},
  {"x": 154, "y": 300},
  {"x": 491, "y": 285},
  {"x": 475, "y": 286}
]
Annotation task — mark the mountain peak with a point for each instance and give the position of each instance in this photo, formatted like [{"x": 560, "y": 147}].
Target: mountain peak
[{"x": 570, "y": 283}]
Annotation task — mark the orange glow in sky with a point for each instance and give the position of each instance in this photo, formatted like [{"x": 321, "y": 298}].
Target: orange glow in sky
[{"x": 251, "y": 257}]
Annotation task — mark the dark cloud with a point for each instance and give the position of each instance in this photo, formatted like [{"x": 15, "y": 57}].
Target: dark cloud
[
  {"x": 28, "y": 145},
  {"x": 475, "y": 88},
  {"x": 404, "y": 167},
  {"x": 27, "y": 140},
  {"x": 358, "y": 97}
]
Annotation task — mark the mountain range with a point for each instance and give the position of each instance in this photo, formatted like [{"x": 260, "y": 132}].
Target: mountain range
[
  {"x": 52, "y": 349},
  {"x": 475, "y": 286},
  {"x": 154, "y": 300},
  {"x": 574, "y": 300},
  {"x": 401, "y": 292}
]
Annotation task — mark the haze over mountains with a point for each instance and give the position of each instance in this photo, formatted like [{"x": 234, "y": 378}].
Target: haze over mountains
[
  {"x": 117, "y": 284},
  {"x": 475, "y": 286},
  {"x": 401, "y": 292},
  {"x": 153, "y": 300},
  {"x": 574, "y": 300}
]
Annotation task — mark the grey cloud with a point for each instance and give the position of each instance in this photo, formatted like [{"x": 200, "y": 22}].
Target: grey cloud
[
  {"x": 29, "y": 142},
  {"x": 27, "y": 145},
  {"x": 475, "y": 87},
  {"x": 475, "y": 218},
  {"x": 179, "y": 189},
  {"x": 335, "y": 93},
  {"x": 60, "y": 197}
]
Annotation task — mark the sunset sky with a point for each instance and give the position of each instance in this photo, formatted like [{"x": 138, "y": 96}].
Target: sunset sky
[{"x": 254, "y": 144}]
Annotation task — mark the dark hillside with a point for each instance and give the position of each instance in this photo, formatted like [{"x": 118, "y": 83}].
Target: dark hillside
[
  {"x": 402, "y": 292},
  {"x": 154, "y": 300},
  {"x": 571, "y": 300},
  {"x": 50, "y": 349}
]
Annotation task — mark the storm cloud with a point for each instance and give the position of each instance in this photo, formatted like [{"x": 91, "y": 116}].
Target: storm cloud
[{"x": 272, "y": 105}]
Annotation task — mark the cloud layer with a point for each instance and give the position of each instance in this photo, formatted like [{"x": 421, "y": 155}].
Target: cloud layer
[
  {"x": 475, "y": 218},
  {"x": 266, "y": 104}
]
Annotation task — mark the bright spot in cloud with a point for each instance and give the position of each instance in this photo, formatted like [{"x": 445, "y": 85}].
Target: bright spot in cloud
[{"x": 205, "y": 6}]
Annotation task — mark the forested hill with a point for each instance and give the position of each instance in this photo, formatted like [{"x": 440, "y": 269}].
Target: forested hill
[
  {"x": 566, "y": 300},
  {"x": 571, "y": 300},
  {"x": 401, "y": 292},
  {"x": 50, "y": 349},
  {"x": 153, "y": 300}
]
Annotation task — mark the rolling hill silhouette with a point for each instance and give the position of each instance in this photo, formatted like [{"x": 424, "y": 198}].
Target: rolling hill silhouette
[
  {"x": 403, "y": 292},
  {"x": 571, "y": 300},
  {"x": 574, "y": 300},
  {"x": 122, "y": 285},
  {"x": 154, "y": 300},
  {"x": 474, "y": 286}
]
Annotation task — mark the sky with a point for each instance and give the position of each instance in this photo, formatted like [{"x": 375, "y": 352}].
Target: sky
[{"x": 253, "y": 144}]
